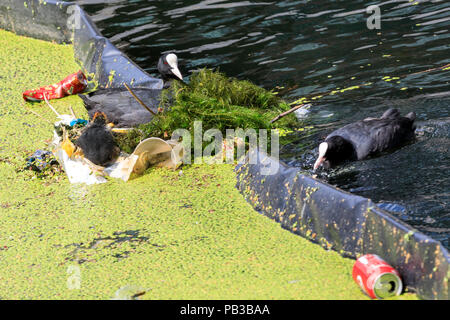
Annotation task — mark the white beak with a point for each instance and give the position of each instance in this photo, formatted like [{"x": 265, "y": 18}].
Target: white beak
[
  {"x": 177, "y": 72},
  {"x": 318, "y": 162},
  {"x": 322, "y": 151},
  {"x": 172, "y": 60}
]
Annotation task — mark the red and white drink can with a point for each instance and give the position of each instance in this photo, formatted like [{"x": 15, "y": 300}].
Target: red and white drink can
[{"x": 377, "y": 278}]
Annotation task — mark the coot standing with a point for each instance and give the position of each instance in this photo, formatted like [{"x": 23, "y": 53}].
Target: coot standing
[{"x": 365, "y": 138}]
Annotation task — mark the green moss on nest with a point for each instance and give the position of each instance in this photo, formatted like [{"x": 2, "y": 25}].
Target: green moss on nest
[{"x": 217, "y": 101}]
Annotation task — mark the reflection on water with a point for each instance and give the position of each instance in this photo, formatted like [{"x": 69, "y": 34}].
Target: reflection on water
[{"x": 315, "y": 47}]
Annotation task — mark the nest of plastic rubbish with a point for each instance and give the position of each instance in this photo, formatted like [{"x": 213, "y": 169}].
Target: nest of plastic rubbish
[{"x": 79, "y": 169}]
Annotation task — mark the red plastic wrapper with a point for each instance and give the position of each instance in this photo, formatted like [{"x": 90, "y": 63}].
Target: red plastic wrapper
[{"x": 72, "y": 84}]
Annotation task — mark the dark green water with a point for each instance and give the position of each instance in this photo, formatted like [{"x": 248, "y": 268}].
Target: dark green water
[{"x": 310, "y": 48}]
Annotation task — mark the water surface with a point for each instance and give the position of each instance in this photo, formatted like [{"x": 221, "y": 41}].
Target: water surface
[{"x": 313, "y": 48}]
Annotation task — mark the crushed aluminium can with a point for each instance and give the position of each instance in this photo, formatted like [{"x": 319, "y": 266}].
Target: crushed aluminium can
[
  {"x": 72, "y": 84},
  {"x": 377, "y": 278}
]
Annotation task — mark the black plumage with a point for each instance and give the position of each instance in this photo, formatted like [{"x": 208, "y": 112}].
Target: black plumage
[
  {"x": 366, "y": 138},
  {"x": 120, "y": 106},
  {"x": 97, "y": 141}
]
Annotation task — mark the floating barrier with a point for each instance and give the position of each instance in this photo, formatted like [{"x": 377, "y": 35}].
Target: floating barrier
[{"x": 340, "y": 221}]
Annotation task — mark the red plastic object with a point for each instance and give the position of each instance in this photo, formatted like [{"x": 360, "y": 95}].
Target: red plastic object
[{"x": 72, "y": 84}]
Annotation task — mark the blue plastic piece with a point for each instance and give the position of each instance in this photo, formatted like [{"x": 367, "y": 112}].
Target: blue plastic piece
[{"x": 78, "y": 121}]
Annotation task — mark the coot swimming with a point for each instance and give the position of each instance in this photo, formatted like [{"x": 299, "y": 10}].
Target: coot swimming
[{"x": 365, "y": 138}]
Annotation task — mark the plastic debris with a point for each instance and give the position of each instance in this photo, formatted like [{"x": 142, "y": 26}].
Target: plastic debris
[
  {"x": 122, "y": 168},
  {"x": 72, "y": 84},
  {"x": 40, "y": 160},
  {"x": 150, "y": 152},
  {"x": 79, "y": 122},
  {"x": 77, "y": 170},
  {"x": 158, "y": 152}
]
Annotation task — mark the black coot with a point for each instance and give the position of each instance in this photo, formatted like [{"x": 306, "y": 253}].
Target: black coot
[
  {"x": 121, "y": 108},
  {"x": 168, "y": 68},
  {"x": 97, "y": 141},
  {"x": 362, "y": 139}
]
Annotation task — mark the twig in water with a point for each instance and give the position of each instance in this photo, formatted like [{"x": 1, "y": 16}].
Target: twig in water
[
  {"x": 432, "y": 69},
  {"x": 288, "y": 112}
]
